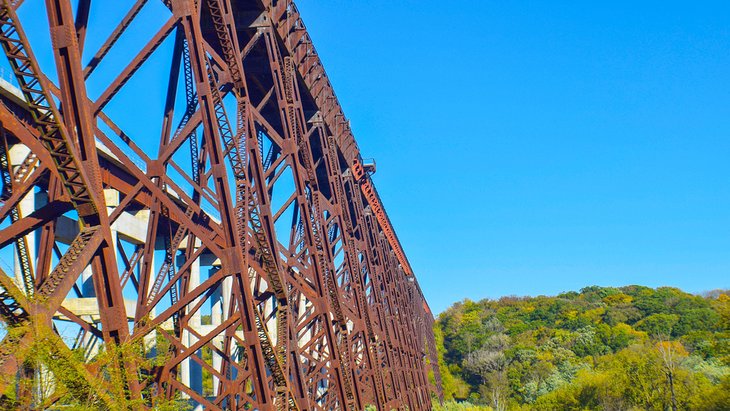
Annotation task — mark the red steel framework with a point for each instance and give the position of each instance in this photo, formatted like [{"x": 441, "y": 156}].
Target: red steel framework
[{"x": 252, "y": 245}]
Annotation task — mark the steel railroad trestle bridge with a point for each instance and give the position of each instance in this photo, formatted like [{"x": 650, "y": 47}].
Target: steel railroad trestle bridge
[{"x": 236, "y": 241}]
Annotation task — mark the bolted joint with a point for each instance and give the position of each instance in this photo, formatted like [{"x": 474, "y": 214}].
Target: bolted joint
[{"x": 63, "y": 36}]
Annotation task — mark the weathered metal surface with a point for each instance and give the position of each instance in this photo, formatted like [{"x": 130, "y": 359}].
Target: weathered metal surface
[{"x": 248, "y": 239}]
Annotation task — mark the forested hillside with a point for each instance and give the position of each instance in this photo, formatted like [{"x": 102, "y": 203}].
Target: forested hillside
[{"x": 629, "y": 348}]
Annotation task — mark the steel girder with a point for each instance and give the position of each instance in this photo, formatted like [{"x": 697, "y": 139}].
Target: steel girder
[{"x": 246, "y": 252}]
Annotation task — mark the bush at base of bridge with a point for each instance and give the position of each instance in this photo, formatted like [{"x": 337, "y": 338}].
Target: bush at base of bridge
[
  {"x": 54, "y": 376},
  {"x": 452, "y": 405}
]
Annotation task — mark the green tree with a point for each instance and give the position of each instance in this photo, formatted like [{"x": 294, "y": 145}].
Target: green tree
[
  {"x": 591, "y": 349},
  {"x": 658, "y": 324}
]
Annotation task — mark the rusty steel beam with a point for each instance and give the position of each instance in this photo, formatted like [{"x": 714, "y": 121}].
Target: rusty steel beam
[{"x": 237, "y": 243}]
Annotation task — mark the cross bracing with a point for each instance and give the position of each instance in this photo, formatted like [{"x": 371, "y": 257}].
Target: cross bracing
[{"x": 217, "y": 218}]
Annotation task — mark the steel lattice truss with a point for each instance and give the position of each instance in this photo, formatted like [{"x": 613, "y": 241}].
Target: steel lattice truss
[{"x": 239, "y": 237}]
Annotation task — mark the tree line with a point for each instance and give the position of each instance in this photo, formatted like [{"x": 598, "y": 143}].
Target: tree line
[{"x": 602, "y": 348}]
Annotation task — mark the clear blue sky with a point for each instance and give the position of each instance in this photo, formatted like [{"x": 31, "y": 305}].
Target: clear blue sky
[
  {"x": 523, "y": 147},
  {"x": 534, "y": 147}
]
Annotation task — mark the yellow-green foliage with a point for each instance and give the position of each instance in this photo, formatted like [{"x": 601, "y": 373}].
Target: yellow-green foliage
[
  {"x": 453, "y": 386},
  {"x": 56, "y": 377},
  {"x": 600, "y": 348},
  {"x": 452, "y": 405}
]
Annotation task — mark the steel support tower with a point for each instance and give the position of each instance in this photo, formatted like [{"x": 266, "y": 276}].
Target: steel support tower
[{"x": 235, "y": 241}]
